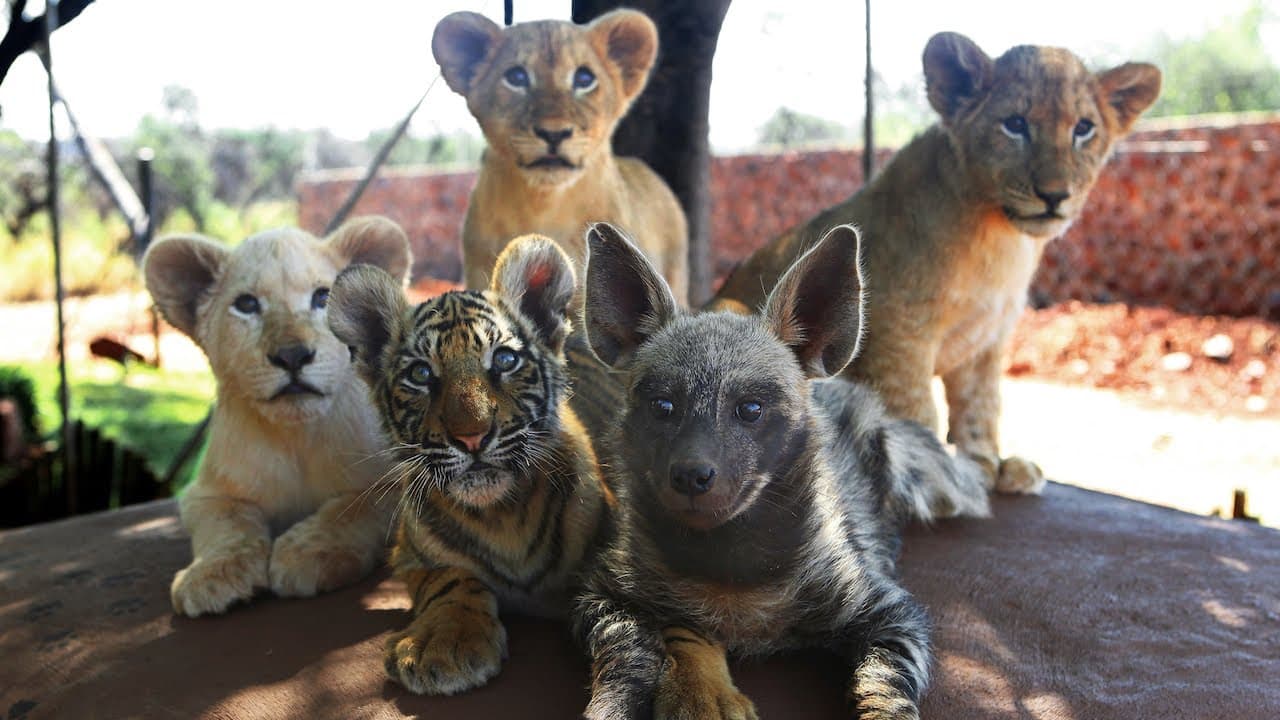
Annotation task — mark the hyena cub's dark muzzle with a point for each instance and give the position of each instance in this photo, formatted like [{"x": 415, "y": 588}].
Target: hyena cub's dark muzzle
[{"x": 700, "y": 488}]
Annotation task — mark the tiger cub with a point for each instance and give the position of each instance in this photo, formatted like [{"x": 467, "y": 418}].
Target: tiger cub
[
  {"x": 761, "y": 511},
  {"x": 501, "y": 494}
]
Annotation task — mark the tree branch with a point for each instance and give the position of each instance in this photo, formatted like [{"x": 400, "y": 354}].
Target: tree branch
[{"x": 24, "y": 33}]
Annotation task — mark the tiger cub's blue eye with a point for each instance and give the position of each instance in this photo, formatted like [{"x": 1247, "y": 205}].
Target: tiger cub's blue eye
[
  {"x": 319, "y": 298},
  {"x": 505, "y": 359},
  {"x": 1016, "y": 125},
  {"x": 420, "y": 373}
]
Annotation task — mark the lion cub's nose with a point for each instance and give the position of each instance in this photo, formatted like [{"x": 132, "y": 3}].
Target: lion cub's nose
[
  {"x": 553, "y": 137},
  {"x": 1052, "y": 198},
  {"x": 292, "y": 357}
]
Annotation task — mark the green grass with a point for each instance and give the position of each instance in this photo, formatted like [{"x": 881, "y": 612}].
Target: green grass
[
  {"x": 151, "y": 411},
  {"x": 92, "y": 259}
]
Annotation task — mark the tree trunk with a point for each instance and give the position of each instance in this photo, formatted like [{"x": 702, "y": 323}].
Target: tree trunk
[{"x": 667, "y": 127}]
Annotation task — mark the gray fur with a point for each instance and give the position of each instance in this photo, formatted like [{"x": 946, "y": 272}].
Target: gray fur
[{"x": 794, "y": 543}]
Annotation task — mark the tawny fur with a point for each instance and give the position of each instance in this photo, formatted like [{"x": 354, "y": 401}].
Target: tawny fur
[
  {"x": 514, "y": 196},
  {"x": 280, "y": 500},
  {"x": 501, "y": 499},
  {"x": 954, "y": 227}
]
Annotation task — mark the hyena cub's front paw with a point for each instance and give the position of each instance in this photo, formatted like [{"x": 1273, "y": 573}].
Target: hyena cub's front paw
[
  {"x": 209, "y": 585},
  {"x": 695, "y": 684},
  {"x": 303, "y": 564},
  {"x": 1019, "y": 476},
  {"x": 449, "y": 655}
]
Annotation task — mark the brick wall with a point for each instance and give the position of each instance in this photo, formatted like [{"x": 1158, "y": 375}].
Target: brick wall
[{"x": 1185, "y": 216}]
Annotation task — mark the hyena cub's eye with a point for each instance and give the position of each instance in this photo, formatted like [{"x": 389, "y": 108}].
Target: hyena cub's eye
[
  {"x": 247, "y": 304},
  {"x": 320, "y": 299},
  {"x": 505, "y": 359},
  {"x": 420, "y": 373},
  {"x": 749, "y": 411},
  {"x": 661, "y": 407}
]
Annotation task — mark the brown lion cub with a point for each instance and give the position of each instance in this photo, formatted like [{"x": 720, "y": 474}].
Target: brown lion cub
[
  {"x": 759, "y": 505},
  {"x": 294, "y": 441},
  {"x": 955, "y": 225},
  {"x": 548, "y": 95},
  {"x": 501, "y": 496}
]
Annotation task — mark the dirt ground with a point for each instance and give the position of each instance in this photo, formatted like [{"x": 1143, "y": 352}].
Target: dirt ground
[{"x": 1141, "y": 402}]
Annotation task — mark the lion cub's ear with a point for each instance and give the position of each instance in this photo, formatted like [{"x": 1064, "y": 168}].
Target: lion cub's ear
[
  {"x": 366, "y": 311},
  {"x": 630, "y": 40},
  {"x": 956, "y": 72},
  {"x": 1130, "y": 89},
  {"x": 180, "y": 271},
  {"x": 461, "y": 42},
  {"x": 816, "y": 307},
  {"x": 373, "y": 240},
  {"x": 535, "y": 275},
  {"x": 627, "y": 299}
]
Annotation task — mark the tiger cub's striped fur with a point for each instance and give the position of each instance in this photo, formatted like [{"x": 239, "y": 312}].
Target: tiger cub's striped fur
[
  {"x": 502, "y": 498},
  {"x": 762, "y": 508}
]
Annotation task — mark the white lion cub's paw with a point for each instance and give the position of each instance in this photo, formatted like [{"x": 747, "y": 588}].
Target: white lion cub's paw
[
  {"x": 1019, "y": 476},
  {"x": 304, "y": 563},
  {"x": 209, "y": 585}
]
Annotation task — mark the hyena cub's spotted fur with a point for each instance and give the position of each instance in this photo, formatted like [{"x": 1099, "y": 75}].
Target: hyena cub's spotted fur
[
  {"x": 760, "y": 510},
  {"x": 501, "y": 494}
]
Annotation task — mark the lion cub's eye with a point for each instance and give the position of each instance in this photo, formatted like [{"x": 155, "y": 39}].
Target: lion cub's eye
[
  {"x": 319, "y": 298},
  {"x": 1083, "y": 130},
  {"x": 583, "y": 79},
  {"x": 749, "y": 411},
  {"x": 516, "y": 77},
  {"x": 505, "y": 360},
  {"x": 420, "y": 373},
  {"x": 247, "y": 304},
  {"x": 1015, "y": 126},
  {"x": 661, "y": 407}
]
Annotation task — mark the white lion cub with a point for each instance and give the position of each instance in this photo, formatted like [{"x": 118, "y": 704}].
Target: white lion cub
[{"x": 294, "y": 440}]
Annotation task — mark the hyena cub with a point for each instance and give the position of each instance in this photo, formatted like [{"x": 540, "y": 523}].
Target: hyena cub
[
  {"x": 502, "y": 500},
  {"x": 760, "y": 509}
]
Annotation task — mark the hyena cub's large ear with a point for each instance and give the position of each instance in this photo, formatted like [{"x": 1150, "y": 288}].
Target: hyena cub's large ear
[
  {"x": 180, "y": 271},
  {"x": 630, "y": 40},
  {"x": 366, "y": 311},
  {"x": 535, "y": 275},
  {"x": 627, "y": 299},
  {"x": 1130, "y": 89},
  {"x": 816, "y": 307},
  {"x": 956, "y": 73},
  {"x": 373, "y": 240},
  {"x": 461, "y": 43}
]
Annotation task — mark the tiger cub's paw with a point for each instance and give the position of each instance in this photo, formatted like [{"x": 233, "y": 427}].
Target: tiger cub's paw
[
  {"x": 695, "y": 684},
  {"x": 210, "y": 585},
  {"x": 447, "y": 656},
  {"x": 1019, "y": 476}
]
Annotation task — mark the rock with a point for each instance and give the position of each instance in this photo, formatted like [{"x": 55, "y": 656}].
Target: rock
[
  {"x": 1176, "y": 362},
  {"x": 1218, "y": 347}
]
